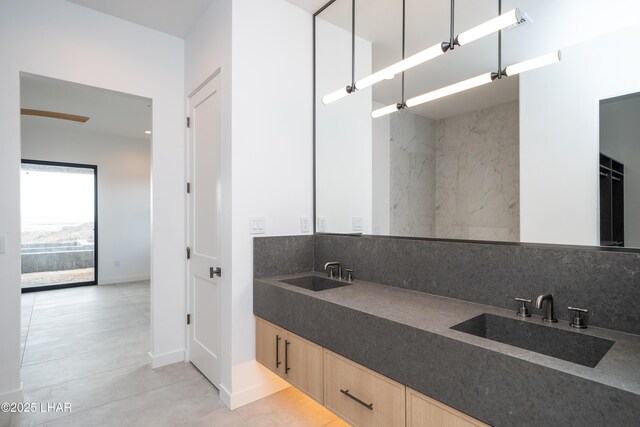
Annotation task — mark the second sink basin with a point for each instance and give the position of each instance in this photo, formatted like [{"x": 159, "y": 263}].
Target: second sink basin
[
  {"x": 315, "y": 283},
  {"x": 573, "y": 347}
]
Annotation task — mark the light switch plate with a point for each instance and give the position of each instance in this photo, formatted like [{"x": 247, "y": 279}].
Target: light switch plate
[
  {"x": 322, "y": 224},
  {"x": 3, "y": 249},
  {"x": 256, "y": 225},
  {"x": 357, "y": 223},
  {"x": 305, "y": 224}
]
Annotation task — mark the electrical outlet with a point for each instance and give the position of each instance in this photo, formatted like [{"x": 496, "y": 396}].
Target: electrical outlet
[
  {"x": 117, "y": 263},
  {"x": 305, "y": 224},
  {"x": 256, "y": 225},
  {"x": 357, "y": 221},
  {"x": 322, "y": 224}
]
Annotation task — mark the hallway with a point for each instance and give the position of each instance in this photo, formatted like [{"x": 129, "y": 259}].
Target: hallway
[{"x": 88, "y": 347}]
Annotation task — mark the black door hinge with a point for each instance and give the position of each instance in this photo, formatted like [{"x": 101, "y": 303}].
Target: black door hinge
[
  {"x": 188, "y": 252},
  {"x": 188, "y": 122},
  {"x": 188, "y": 187},
  {"x": 188, "y": 319}
]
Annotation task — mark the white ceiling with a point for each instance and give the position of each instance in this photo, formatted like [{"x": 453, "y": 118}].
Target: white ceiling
[
  {"x": 169, "y": 16},
  {"x": 111, "y": 113}
]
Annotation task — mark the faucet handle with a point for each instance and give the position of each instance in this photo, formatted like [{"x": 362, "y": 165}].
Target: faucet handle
[
  {"x": 577, "y": 321},
  {"x": 523, "y": 310},
  {"x": 331, "y": 270},
  {"x": 349, "y": 274}
]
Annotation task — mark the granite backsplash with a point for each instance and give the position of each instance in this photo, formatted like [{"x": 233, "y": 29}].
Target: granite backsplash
[{"x": 607, "y": 283}]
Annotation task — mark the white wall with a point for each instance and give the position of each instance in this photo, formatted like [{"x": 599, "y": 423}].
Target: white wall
[
  {"x": 343, "y": 132},
  {"x": 124, "y": 199},
  {"x": 271, "y": 150},
  {"x": 559, "y": 137},
  {"x": 263, "y": 50},
  {"x": 620, "y": 139},
  {"x": 61, "y": 40}
]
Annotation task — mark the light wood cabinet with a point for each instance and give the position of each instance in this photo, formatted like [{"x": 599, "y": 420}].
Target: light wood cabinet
[
  {"x": 303, "y": 365},
  {"x": 423, "y": 411},
  {"x": 360, "y": 396},
  {"x": 294, "y": 358},
  {"x": 270, "y": 341}
]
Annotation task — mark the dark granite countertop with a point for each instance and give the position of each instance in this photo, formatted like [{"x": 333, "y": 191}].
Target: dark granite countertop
[{"x": 619, "y": 368}]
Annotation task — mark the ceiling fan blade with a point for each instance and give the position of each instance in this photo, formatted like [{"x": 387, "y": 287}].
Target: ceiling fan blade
[{"x": 54, "y": 115}]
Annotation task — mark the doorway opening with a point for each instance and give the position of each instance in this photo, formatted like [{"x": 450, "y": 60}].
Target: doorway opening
[{"x": 59, "y": 218}]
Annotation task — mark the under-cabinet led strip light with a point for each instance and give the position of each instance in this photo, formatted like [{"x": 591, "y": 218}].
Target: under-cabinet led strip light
[
  {"x": 512, "y": 70},
  {"x": 513, "y": 17}
]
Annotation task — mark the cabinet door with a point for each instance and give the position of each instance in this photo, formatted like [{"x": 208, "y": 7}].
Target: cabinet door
[
  {"x": 303, "y": 365},
  {"x": 423, "y": 411},
  {"x": 360, "y": 396},
  {"x": 270, "y": 345}
]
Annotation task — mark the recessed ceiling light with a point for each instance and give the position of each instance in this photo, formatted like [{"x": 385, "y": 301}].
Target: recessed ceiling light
[{"x": 148, "y": 132}]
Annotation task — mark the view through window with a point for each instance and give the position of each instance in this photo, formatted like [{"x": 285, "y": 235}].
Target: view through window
[{"x": 58, "y": 229}]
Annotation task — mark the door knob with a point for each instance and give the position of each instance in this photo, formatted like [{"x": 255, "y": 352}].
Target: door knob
[{"x": 215, "y": 272}]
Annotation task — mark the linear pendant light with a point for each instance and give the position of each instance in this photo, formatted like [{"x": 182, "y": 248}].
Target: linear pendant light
[
  {"x": 513, "y": 17},
  {"x": 512, "y": 70},
  {"x": 498, "y": 23},
  {"x": 508, "y": 19},
  {"x": 450, "y": 90},
  {"x": 533, "y": 63}
]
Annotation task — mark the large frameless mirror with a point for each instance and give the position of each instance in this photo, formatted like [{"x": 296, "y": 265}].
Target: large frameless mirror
[{"x": 474, "y": 142}]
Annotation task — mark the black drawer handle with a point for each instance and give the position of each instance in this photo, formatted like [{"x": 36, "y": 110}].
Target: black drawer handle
[
  {"x": 286, "y": 356},
  {"x": 351, "y": 396},
  {"x": 278, "y": 362}
]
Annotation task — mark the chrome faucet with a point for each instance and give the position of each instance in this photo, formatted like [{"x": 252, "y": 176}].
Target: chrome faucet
[
  {"x": 331, "y": 267},
  {"x": 548, "y": 312}
]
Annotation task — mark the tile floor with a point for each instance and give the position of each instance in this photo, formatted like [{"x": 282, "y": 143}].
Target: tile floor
[{"x": 88, "y": 346}]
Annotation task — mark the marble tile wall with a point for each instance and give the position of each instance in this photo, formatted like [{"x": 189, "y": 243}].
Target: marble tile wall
[
  {"x": 413, "y": 175},
  {"x": 477, "y": 175},
  {"x": 456, "y": 178}
]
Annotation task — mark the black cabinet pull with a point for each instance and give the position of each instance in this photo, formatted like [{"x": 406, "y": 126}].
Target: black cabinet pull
[
  {"x": 369, "y": 406},
  {"x": 286, "y": 356},
  {"x": 278, "y": 362}
]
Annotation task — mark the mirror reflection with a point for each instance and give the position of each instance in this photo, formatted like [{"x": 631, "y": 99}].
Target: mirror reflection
[{"x": 514, "y": 159}]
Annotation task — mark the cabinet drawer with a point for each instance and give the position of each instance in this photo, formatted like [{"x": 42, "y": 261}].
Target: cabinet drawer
[
  {"x": 423, "y": 411},
  {"x": 361, "y": 396}
]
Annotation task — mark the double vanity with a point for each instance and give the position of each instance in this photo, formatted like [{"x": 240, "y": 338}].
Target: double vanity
[{"x": 390, "y": 355}]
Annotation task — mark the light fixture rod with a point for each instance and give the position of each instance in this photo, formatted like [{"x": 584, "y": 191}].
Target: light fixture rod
[
  {"x": 452, "y": 36},
  {"x": 353, "y": 44},
  {"x": 500, "y": 42},
  {"x": 404, "y": 14}
]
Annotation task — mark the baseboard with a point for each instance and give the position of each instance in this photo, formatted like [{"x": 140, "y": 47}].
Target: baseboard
[
  {"x": 12, "y": 396},
  {"x": 252, "y": 382},
  {"x": 123, "y": 280},
  {"x": 165, "y": 359}
]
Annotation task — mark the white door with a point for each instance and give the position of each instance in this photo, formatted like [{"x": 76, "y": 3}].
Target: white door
[{"x": 204, "y": 230}]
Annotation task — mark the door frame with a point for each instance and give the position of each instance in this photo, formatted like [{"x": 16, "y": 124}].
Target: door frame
[{"x": 94, "y": 282}]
